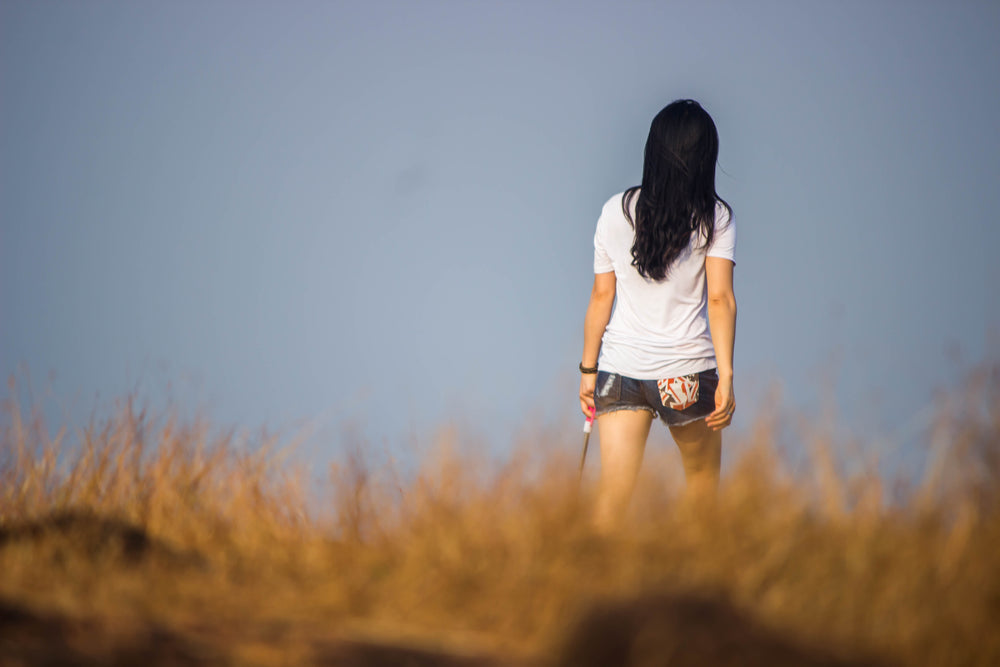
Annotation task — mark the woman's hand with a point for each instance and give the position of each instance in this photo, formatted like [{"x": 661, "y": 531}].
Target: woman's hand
[
  {"x": 725, "y": 406},
  {"x": 588, "y": 381}
]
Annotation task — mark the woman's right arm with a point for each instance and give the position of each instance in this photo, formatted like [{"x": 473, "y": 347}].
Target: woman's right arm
[
  {"x": 722, "y": 323},
  {"x": 602, "y": 300}
]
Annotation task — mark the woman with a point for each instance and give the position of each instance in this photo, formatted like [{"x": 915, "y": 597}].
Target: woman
[{"x": 663, "y": 252}]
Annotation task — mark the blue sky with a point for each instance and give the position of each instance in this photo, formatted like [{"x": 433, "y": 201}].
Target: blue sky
[{"x": 381, "y": 214}]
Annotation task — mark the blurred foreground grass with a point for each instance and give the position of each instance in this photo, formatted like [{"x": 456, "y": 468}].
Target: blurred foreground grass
[{"x": 158, "y": 544}]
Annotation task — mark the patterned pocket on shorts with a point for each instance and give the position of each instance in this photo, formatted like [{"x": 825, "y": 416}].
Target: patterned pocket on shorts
[{"x": 680, "y": 392}]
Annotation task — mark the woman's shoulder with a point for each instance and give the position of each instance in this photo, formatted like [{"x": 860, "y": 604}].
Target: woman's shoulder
[
  {"x": 614, "y": 201},
  {"x": 613, "y": 208},
  {"x": 723, "y": 216},
  {"x": 613, "y": 220}
]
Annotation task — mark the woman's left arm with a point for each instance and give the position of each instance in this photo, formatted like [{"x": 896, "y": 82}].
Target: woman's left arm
[
  {"x": 722, "y": 324},
  {"x": 602, "y": 299}
]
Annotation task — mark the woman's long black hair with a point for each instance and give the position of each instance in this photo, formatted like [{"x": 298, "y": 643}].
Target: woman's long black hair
[{"x": 677, "y": 195}]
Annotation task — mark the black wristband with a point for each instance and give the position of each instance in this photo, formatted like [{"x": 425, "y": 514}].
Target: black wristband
[{"x": 587, "y": 370}]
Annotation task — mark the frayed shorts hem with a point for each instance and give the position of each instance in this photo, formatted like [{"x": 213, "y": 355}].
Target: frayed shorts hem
[
  {"x": 634, "y": 408},
  {"x": 651, "y": 411}
]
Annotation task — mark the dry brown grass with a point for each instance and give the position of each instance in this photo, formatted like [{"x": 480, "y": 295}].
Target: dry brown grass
[{"x": 157, "y": 543}]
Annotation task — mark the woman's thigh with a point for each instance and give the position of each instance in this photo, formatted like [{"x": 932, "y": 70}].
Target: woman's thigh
[
  {"x": 700, "y": 446},
  {"x": 623, "y": 440}
]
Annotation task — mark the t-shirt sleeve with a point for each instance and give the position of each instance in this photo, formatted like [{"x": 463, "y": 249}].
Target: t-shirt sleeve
[
  {"x": 602, "y": 260},
  {"x": 724, "y": 237}
]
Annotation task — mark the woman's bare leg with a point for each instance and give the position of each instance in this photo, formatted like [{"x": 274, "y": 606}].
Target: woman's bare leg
[
  {"x": 701, "y": 453},
  {"x": 623, "y": 440}
]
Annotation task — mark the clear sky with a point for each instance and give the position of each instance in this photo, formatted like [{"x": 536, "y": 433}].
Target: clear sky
[{"x": 382, "y": 213}]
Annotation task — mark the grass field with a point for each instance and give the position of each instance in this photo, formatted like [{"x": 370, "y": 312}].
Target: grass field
[{"x": 151, "y": 542}]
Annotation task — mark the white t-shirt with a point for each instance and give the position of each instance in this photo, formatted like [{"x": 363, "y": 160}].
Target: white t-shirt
[{"x": 658, "y": 329}]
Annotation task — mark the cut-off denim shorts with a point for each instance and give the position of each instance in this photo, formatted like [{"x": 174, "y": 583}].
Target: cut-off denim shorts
[{"x": 677, "y": 401}]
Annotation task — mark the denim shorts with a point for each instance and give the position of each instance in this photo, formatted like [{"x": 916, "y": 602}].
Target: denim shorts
[{"x": 677, "y": 401}]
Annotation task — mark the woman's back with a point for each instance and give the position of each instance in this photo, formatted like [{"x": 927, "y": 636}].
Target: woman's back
[{"x": 658, "y": 328}]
